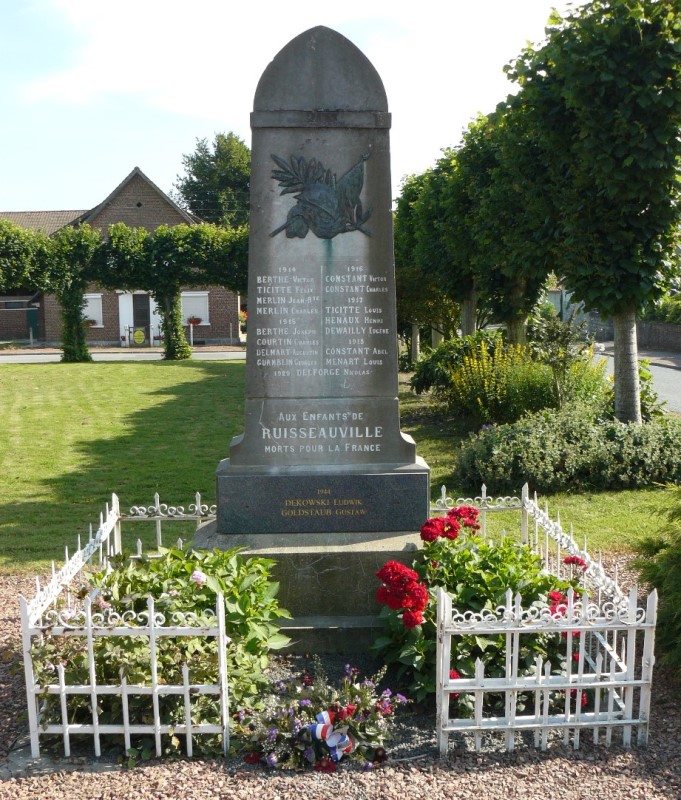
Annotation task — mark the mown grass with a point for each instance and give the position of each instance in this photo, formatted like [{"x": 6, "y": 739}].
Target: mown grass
[{"x": 71, "y": 434}]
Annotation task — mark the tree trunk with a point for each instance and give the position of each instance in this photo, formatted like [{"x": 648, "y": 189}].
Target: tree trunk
[
  {"x": 627, "y": 393},
  {"x": 517, "y": 330},
  {"x": 436, "y": 333},
  {"x": 175, "y": 346},
  {"x": 74, "y": 333},
  {"x": 415, "y": 344},
  {"x": 469, "y": 313}
]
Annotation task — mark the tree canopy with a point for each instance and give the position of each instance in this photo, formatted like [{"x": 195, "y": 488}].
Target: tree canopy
[
  {"x": 216, "y": 183},
  {"x": 604, "y": 94}
]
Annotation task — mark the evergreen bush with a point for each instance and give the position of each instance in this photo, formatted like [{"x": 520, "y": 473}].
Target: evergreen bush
[{"x": 570, "y": 451}]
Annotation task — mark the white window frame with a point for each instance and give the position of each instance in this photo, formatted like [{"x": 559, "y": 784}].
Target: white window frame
[
  {"x": 93, "y": 309},
  {"x": 198, "y": 298}
]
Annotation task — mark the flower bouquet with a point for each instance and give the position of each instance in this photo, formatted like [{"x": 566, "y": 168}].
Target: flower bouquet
[{"x": 307, "y": 722}]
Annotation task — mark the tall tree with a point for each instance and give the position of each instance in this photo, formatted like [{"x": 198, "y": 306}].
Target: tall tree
[
  {"x": 605, "y": 94},
  {"x": 420, "y": 296},
  {"x": 74, "y": 252},
  {"x": 216, "y": 183},
  {"x": 512, "y": 214}
]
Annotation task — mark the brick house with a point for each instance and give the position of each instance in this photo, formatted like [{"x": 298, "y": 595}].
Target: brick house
[{"x": 119, "y": 317}]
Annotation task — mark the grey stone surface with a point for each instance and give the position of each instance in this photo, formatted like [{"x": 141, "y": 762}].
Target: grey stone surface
[
  {"x": 327, "y": 583},
  {"x": 321, "y": 371},
  {"x": 297, "y": 501}
]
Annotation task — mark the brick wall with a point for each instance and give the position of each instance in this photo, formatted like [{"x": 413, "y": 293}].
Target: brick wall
[
  {"x": 658, "y": 335},
  {"x": 138, "y": 205}
]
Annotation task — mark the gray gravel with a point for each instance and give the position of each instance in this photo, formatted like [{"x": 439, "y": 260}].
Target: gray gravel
[{"x": 413, "y": 771}]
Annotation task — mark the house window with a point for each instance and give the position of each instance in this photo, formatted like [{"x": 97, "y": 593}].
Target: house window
[
  {"x": 195, "y": 304},
  {"x": 93, "y": 309}
]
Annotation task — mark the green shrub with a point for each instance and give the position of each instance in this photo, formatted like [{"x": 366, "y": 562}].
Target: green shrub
[
  {"x": 659, "y": 565},
  {"x": 180, "y": 582},
  {"x": 668, "y": 309},
  {"x": 433, "y": 371},
  {"x": 476, "y": 573},
  {"x": 501, "y": 384},
  {"x": 570, "y": 451}
]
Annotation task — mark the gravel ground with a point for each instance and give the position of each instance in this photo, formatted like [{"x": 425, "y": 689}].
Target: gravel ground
[{"x": 412, "y": 771}]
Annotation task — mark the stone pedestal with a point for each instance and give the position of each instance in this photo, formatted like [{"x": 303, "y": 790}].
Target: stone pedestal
[
  {"x": 347, "y": 498},
  {"x": 329, "y": 586}
]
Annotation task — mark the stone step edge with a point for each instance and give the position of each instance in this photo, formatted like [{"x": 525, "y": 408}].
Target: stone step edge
[{"x": 324, "y": 622}]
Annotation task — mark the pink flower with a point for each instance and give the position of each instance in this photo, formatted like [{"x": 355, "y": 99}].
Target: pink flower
[{"x": 199, "y": 577}]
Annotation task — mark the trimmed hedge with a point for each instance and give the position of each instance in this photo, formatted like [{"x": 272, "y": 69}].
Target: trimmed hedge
[{"x": 570, "y": 451}]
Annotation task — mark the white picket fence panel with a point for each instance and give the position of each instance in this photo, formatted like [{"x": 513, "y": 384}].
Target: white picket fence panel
[
  {"x": 600, "y": 658},
  {"x": 56, "y": 611},
  {"x": 543, "y": 535}
]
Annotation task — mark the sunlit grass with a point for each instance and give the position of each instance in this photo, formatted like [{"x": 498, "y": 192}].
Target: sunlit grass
[{"x": 71, "y": 434}]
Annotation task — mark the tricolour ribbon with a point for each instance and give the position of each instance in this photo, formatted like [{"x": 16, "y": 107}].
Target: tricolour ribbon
[{"x": 336, "y": 739}]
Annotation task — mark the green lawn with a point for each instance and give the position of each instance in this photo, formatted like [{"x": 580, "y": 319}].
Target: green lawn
[{"x": 71, "y": 434}]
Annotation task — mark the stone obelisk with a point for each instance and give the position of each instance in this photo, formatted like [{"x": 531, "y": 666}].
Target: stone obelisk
[{"x": 322, "y": 450}]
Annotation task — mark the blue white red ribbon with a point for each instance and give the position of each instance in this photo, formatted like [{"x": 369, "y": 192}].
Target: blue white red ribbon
[{"x": 336, "y": 739}]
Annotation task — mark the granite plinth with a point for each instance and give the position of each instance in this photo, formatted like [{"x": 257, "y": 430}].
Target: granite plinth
[
  {"x": 330, "y": 500},
  {"x": 328, "y": 584}
]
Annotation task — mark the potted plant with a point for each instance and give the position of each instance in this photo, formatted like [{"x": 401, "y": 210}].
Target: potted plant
[{"x": 193, "y": 320}]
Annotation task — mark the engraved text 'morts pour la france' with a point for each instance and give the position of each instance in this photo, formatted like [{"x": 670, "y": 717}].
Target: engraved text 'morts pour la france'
[{"x": 325, "y": 205}]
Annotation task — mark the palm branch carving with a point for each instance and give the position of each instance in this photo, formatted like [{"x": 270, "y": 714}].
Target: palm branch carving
[{"x": 324, "y": 205}]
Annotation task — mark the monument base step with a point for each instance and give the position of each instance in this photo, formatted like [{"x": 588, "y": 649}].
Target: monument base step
[
  {"x": 327, "y": 584},
  {"x": 331, "y": 634}
]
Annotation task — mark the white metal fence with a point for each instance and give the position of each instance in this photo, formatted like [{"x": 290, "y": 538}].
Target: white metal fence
[
  {"x": 56, "y": 611},
  {"x": 604, "y": 681}
]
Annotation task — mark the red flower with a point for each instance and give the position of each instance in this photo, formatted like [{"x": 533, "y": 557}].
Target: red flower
[
  {"x": 412, "y": 618},
  {"x": 432, "y": 529},
  {"x": 576, "y": 561},
  {"x": 393, "y": 572},
  {"x": 325, "y": 764},
  {"x": 557, "y": 597},
  {"x": 252, "y": 758},
  {"x": 415, "y": 596},
  {"x": 454, "y": 676}
]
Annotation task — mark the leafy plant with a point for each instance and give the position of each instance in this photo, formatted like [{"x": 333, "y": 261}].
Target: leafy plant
[
  {"x": 180, "y": 582},
  {"x": 570, "y": 451},
  {"x": 476, "y": 573},
  {"x": 659, "y": 565}
]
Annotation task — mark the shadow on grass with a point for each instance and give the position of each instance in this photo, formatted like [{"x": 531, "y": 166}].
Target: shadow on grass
[{"x": 172, "y": 447}]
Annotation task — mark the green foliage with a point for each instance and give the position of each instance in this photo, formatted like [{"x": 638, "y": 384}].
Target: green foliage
[
  {"x": 434, "y": 370},
  {"x": 500, "y": 385},
  {"x": 492, "y": 382},
  {"x": 604, "y": 95},
  {"x": 170, "y": 258},
  {"x": 421, "y": 295},
  {"x": 476, "y": 573},
  {"x": 216, "y": 183},
  {"x": 659, "y": 566},
  {"x": 180, "y": 582},
  {"x": 667, "y": 309},
  {"x": 570, "y": 451},
  {"x": 561, "y": 346},
  {"x": 21, "y": 256},
  {"x": 75, "y": 254}
]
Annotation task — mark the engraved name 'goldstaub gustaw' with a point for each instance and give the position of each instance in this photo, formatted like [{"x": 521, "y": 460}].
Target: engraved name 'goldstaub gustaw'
[{"x": 324, "y": 205}]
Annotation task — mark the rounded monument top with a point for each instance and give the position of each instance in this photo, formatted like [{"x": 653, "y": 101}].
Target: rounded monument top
[{"x": 320, "y": 70}]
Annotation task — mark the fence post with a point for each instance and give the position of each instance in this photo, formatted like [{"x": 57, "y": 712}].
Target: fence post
[
  {"x": 524, "y": 497},
  {"x": 647, "y": 668},
  {"x": 29, "y": 678}
]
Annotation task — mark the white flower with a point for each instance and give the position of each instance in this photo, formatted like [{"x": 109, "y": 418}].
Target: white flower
[{"x": 199, "y": 577}]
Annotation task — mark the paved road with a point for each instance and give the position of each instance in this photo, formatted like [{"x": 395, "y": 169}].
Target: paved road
[
  {"x": 29, "y": 357},
  {"x": 666, "y": 369}
]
